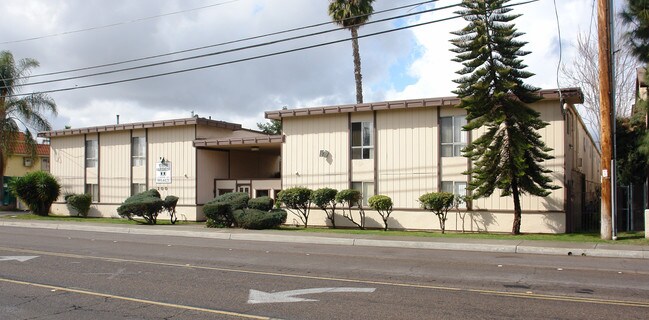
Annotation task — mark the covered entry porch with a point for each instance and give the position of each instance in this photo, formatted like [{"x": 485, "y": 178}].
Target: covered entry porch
[{"x": 238, "y": 164}]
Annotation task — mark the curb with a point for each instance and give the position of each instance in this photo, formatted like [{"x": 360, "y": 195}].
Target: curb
[{"x": 431, "y": 245}]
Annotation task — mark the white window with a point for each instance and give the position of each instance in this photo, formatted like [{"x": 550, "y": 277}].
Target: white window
[
  {"x": 457, "y": 188},
  {"x": 137, "y": 188},
  {"x": 366, "y": 189},
  {"x": 27, "y": 162},
  {"x": 92, "y": 151},
  {"x": 453, "y": 138},
  {"x": 45, "y": 164},
  {"x": 362, "y": 140},
  {"x": 93, "y": 190},
  {"x": 138, "y": 151}
]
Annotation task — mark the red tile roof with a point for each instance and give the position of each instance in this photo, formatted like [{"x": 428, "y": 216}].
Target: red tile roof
[{"x": 21, "y": 147}]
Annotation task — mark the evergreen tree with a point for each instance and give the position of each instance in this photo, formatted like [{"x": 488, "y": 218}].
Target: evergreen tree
[
  {"x": 636, "y": 16},
  {"x": 509, "y": 154}
]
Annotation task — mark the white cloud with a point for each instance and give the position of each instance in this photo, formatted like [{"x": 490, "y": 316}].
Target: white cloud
[{"x": 242, "y": 92}]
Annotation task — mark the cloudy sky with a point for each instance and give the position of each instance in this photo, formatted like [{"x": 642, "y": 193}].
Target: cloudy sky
[{"x": 413, "y": 63}]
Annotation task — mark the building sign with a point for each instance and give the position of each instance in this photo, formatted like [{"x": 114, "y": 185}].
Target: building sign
[{"x": 163, "y": 172}]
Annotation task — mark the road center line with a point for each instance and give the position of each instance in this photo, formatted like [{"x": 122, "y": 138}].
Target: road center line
[
  {"x": 157, "y": 303},
  {"x": 359, "y": 281}
]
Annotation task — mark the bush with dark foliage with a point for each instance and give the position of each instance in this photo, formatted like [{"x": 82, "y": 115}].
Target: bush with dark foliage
[
  {"x": 147, "y": 205},
  {"x": 38, "y": 190}
]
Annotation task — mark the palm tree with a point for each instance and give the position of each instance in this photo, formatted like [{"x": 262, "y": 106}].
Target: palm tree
[
  {"x": 352, "y": 14},
  {"x": 16, "y": 112}
]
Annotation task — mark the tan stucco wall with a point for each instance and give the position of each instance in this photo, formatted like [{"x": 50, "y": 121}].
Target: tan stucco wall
[
  {"x": 15, "y": 167},
  {"x": 301, "y": 161},
  {"x": 212, "y": 164},
  {"x": 407, "y": 150},
  {"x": 67, "y": 163},
  {"x": 474, "y": 221}
]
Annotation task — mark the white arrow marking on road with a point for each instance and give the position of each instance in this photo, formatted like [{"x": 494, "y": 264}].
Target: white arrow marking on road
[
  {"x": 17, "y": 258},
  {"x": 288, "y": 296}
]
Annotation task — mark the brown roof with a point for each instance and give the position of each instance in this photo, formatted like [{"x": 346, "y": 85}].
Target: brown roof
[
  {"x": 571, "y": 95},
  {"x": 238, "y": 141},
  {"x": 142, "y": 125},
  {"x": 21, "y": 147}
]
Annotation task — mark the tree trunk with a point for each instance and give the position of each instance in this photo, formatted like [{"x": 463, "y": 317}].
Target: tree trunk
[
  {"x": 2, "y": 179},
  {"x": 357, "y": 66},
  {"x": 516, "y": 229}
]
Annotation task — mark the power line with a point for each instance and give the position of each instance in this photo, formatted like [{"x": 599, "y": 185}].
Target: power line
[
  {"x": 263, "y": 44},
  {"x": 118, "y": 23},
  {"x": 215, "y": 45},
  {"x": 254, "y": 57}
]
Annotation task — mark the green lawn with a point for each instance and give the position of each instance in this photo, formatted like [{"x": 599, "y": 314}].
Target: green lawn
[
  {"x": 628, "y": 238},
  {"x": 90, "y": 219}
]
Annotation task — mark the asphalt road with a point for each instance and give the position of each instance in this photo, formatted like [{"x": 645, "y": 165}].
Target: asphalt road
[{"x": 86, "y": 275}]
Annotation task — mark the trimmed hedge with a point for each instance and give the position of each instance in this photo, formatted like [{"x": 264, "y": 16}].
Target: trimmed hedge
[
  {"x": 80, "y": 202},
  {"x": 147, "y": 205},
  {"x": 219, "y": 211},
  {"x": 258, "y": 219},
  {"x": 261, "y": 203}
]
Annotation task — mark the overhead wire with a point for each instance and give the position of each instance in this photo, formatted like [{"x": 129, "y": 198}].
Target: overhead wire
[
  {"x": 218, "y": 44},
  {"x": 255, "y": 57},
  {"x": 118, "y": 23},
  {"x": 263, "y": 44}
]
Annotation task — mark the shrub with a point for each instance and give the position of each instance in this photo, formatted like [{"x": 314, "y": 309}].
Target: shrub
[
  {"x": 325, "y": 199},
  {"x": 80, "y": 202},
  {"x": 258, "y": 219},
  {"x": 261, "y": 203},
  {"x": 383, "y": 205},
  {"x": 439, "y": 203},
  {"x": 352, "y": 198},
  {"x": 219, "y": 214},
  {"x": 37, "y": 189},
  {"x": 238, "y": 200},
  {"x": 147, "y": 205},
  {"x": 298, "y": 199},
  {"x": 219, "y": 211},
  {"x": 169, "y": 204}
]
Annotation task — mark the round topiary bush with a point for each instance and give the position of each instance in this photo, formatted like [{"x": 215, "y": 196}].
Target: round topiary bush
[
  {"x": 258, "y": 219},
  {"x": 147, "y": 205},
  {"x": 261, "y": 203},
  {"x": 80, "y": 202},
  {"x": 38, "y": 190}
]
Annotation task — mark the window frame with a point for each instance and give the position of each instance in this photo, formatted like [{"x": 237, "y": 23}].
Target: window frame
[
  {"x": 138, "y": 185},
  {"x": 91, "y": 144},
  {"x": 456, "y": 187},
  {"x": 366, "y": 189},
  {"x": 28, "y": 162},
  {"x": 138, "y": 151},
  {"x": 45, "y": 160},
  {"x": 458, "y": 137},
  {"x": 365, "y": 146},
  {"x": 93, "y": 190}
]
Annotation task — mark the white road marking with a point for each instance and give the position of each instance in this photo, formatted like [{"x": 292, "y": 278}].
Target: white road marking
[
  {"x": 256, "y": 296},
  {"x": 17, "y": 258}
]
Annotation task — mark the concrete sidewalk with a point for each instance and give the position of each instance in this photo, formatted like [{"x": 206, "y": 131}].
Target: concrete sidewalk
[{"x": 482, "y": 245}]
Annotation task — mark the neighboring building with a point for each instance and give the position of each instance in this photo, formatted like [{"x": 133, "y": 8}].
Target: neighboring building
[
  {"x": 194, "y": 159},
  {"x": 404, "y": 149},
  {"x": 22, "y": 162}
]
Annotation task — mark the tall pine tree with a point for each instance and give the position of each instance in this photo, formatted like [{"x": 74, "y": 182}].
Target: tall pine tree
[{"x": 509, "y": 154}]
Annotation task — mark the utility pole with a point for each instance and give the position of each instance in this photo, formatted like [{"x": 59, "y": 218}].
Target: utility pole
[{"x": 606, "y": 134}]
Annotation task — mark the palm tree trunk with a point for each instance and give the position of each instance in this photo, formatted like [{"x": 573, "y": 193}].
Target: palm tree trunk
[{"x": 357, "y": 65}]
